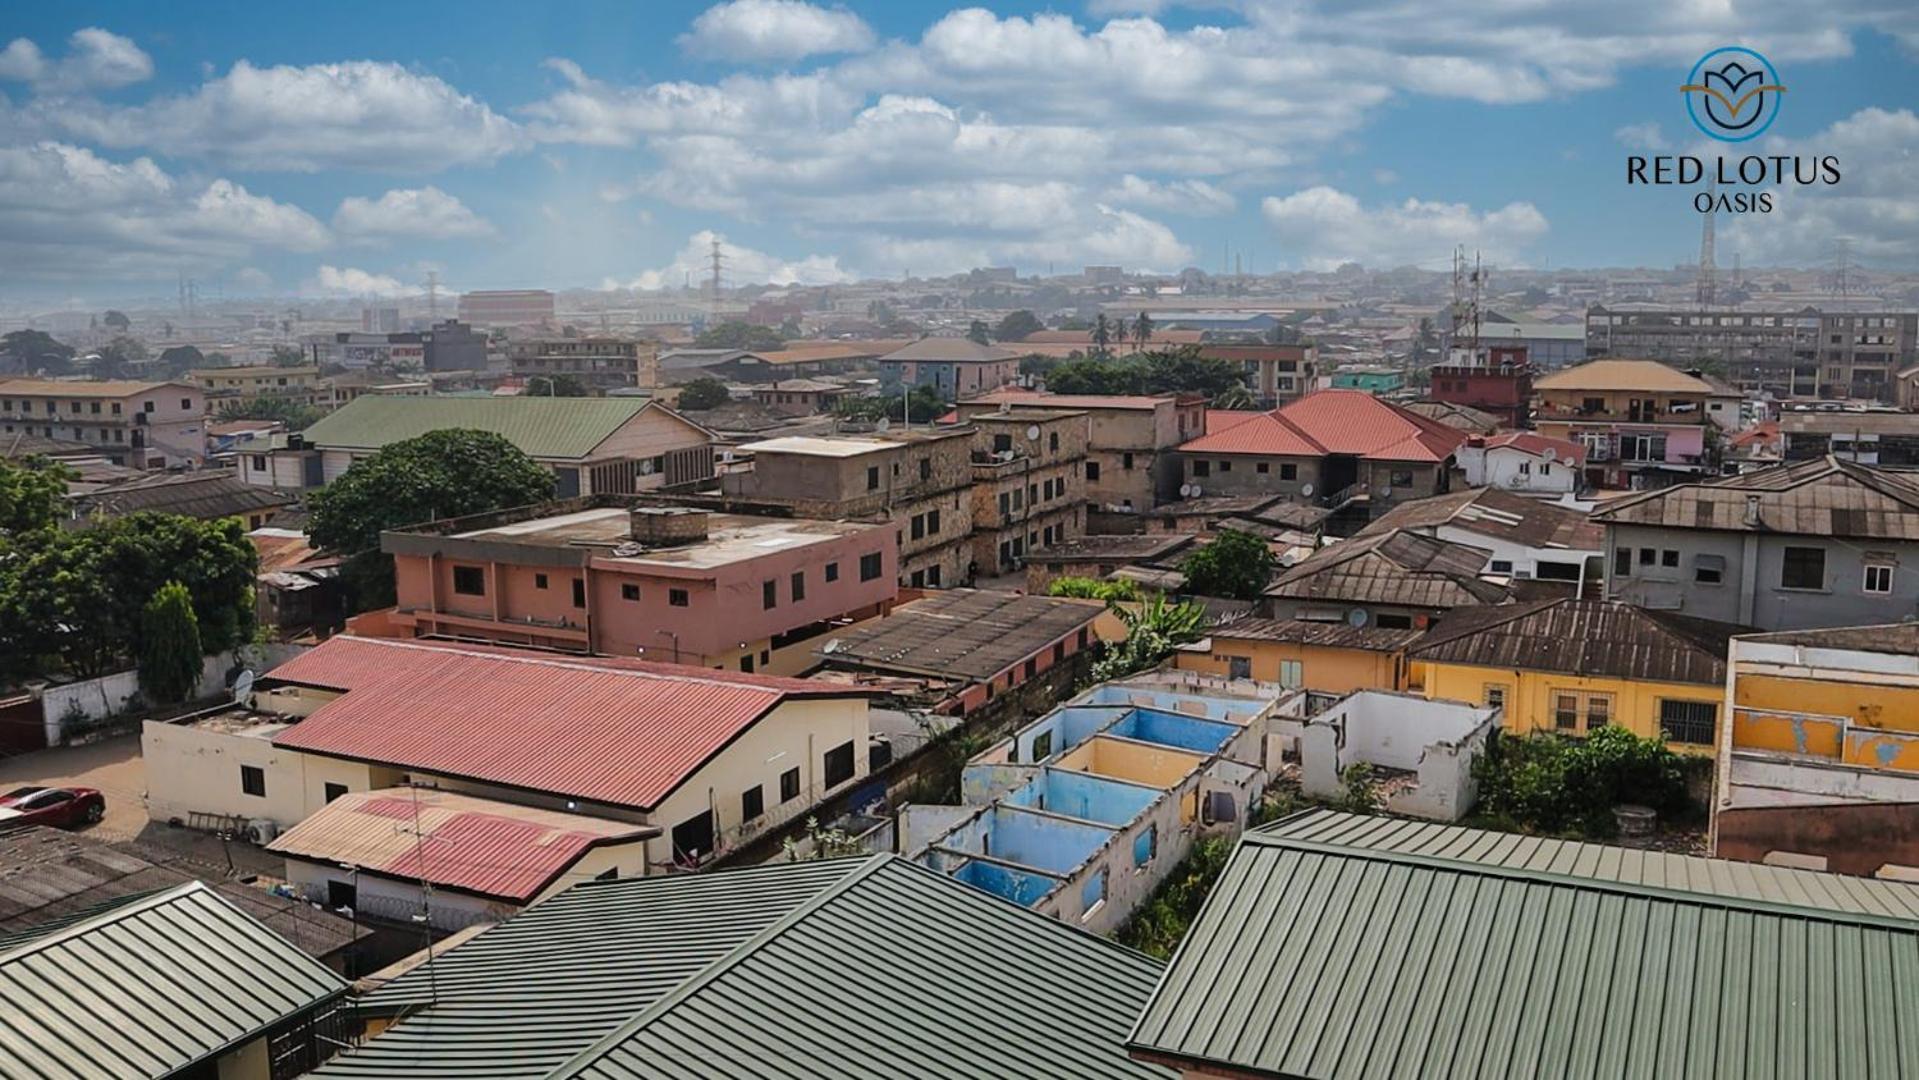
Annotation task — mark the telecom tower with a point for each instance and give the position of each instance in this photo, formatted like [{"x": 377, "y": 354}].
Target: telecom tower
[
  {"x": 1467, "y": 285},
  {"x": 719, "y": 262},
  {"x": 1705, "y": 291},
  {"x": 432, "y": 297}
]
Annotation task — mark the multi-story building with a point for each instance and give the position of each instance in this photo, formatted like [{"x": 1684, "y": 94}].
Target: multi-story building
[
  {"x": 507, "y": 307},
  {"x": 1817, "y": 543},
  {"x": 1524, "y": 463},
  {"x": 300, "y": 385},
  {"x": 1275, "y": 374},
  {"x": 1029, "y": 484},
  {"x": 1806, "y": 352},
  {"x": 955, "y": 366},
  {"x": 1820, "y": 763},
  {"x": 1870, "y": 438},
  {"x": 1642, "y": 423},
  {"x": 1549, "y": 346},
  {"x": 601, "y": 363},
  {"x": 1371, "y": 378},
  {"x": 449, "y": 346},
  {"x": 1497, "y": 380},
  {"x": 673, "y": 583},
  {"x": 147, "y": 425},
  {"x": 1131, "y": 466},
  {"x": 920, "y": 481}
]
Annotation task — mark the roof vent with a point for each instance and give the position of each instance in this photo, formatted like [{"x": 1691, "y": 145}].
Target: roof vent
[{"x": 667, "y": 526}]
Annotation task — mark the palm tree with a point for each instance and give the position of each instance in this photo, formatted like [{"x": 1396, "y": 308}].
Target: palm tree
[
  {"x": 1142, "y": 331},
  {"x": 1102, "y": 336}
]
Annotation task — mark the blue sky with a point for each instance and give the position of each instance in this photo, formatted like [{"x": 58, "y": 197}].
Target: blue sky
[{"x": 344, "y": 149}]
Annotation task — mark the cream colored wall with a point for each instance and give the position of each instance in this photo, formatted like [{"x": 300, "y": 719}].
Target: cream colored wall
[
  {"x": 650, "y": 433},
  {"x": 625, "y": 860},
  {"x": 1124, "y": 759},
  {"x": 248, "y": 1061},
  {"x": 191, "y": 771}
]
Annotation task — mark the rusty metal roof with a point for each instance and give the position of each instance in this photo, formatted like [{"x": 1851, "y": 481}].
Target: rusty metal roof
[
  {"x": 1600, "y": 638},
  {"x": 1394, "y": 567},
  {"x": 1529, "y": 522},
  {"x": 205, "y": 495},
  {"x": 1326, "y": 635},
  {"x": 959, "y": 633},
  {"x": 1820, "y": 497}
]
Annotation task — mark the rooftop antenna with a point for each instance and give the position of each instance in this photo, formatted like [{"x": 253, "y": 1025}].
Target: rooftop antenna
[
  {"x": 426, "y": 894},
  {"x": 719, "y": 262}
]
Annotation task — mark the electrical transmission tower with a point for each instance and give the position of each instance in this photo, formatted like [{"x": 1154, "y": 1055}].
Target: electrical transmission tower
[
  {"x": 1706, "y": 290},
  {"x": 432, "y": 296}
]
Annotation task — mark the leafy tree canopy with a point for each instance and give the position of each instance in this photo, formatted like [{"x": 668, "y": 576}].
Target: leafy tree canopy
[
  {"x": 1236, "y": 564},
  {"x": 738, "y": 334},
  {"x": 35, "y": 350},
  {"x": 557, "y": 386},
  {"x": 702, "y": 394},
  {"x": 181, "y": 359},
  {"x": 287, "y": 356},
  {"x": 170, "y": 656},
  {"x": 1018, "y": 326},
  {"x": 1178, "y": 370},
  {"x": 116, "y": 319},
  {"x": 1080, "y": 588},
  {"x": 32, "y": 494},
  {"x": 978, "y": 333},
  {"x": 295, "y": 416}
]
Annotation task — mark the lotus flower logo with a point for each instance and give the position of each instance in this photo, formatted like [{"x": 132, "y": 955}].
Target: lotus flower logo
[{"x": 1733, "y": 94}]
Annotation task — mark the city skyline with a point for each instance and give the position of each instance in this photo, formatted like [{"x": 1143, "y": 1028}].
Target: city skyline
[{"x": 270, "y": 153}]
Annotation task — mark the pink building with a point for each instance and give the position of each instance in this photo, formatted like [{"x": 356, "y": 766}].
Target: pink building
[
  {"x": 956, "y": 367},
  {"x": 146, "y": 425},
  {"x": 665, "y": 583}
]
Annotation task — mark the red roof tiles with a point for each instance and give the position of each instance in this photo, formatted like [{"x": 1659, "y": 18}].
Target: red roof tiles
[
  {"x": 608, "y": 729},
  {"x": 1335, "y": 422}
]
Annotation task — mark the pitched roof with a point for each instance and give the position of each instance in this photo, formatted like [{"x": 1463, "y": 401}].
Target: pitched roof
[
  {"x": 1334, "y": 422},
  {"x": 1891, "y": 639},
  {"x": 82, "y": 388},
  {"x": 1392, "y": 567},
  {"x": 452, "y": 840},
  {"x": 543, "y": 427},
  {"x": 1621, "y": 374},
  {"x": 606, "y": 729},
  {"x": 150, "y": 987},
  {"x": 1498, "y": 514},
  {"x": 856, "y": 968},
  {"x": 1820, "y": 497},
  {"x": 1600, "y": 638},
  {"x": 1019, "y": 396},
  {"x": 1464, "y": 417},
  {"x": 959, "y": 633},
  {"x": 205, "y": 495},
  {"x": 949, "y": 350},
  {"x": 1336, "y": 947},
  {"x": 1539, "y": 446},
  {"x": 1326, "y": 635}
]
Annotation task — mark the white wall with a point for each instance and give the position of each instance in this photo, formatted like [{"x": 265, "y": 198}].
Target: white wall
[
  {"x": 1436, "y": 740},
  {"x": 110, "y": 695}
]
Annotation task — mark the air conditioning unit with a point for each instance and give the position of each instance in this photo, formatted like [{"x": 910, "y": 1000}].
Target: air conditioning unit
[{"x": 262, "y": 831}]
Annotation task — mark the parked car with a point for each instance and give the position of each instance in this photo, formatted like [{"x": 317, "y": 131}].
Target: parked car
[{"x": 61, "y": 807}]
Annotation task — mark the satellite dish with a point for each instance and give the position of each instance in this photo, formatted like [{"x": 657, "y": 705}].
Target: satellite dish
[
  {"x": 1306, "y": 490},
  {"x": 1386, "y": 492},
  {"x": 884, "y": 425},
  {"x": 1032, "y": 432},
  {"x": 1197, "y": 492},
  {"x": 1551, "y": 454},
  {"x": 243, "y": 686},
  {"x": 1356, "y": 617},
  {"x": 627, "y": 550},
  {"x": 1186, "y": 491}
]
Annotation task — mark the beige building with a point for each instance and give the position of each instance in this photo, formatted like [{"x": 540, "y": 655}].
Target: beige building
[
  {"x": 1131, "y": 465},
  {"x": 601, "y": 363},
  {"x": 301, "y": 385},
  {"x": 1029, "y": 484},
  {"x": 147, "y": 425}
]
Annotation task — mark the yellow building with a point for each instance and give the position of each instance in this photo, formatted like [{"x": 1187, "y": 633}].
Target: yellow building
[
  {"x": 1821, "y": 759},
  {"x": 1574, "y": 666},
  {"x": 301, "y": 385},
  {"x": 1332, "y": 658}
]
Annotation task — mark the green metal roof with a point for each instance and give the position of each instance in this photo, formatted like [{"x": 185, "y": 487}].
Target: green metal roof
[
  {"x": 528, "y": 994},
  {"x": 1329, "y": 950},
  {"x": 148, "y": 988},
  {"x": 542, "y": 427}
]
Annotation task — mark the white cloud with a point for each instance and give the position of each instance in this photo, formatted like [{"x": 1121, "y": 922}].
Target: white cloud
[
  {"x": 251, "y": 280},
  {"x": 775, "y": 30},
  {"x": 97, "y": 59},
  {"x": 66, "y": 212},
  {"x": 347, "y": 281},
  {"x": 744, "y": 266},
  {"x": 418, "y": 213},
  {"x": 355, "y": 115},
  {"x": 1175, "y": 196},
  {"x": 1648, "y": 136},
  {"x": 1323, "y": 227},
  {"x": 1872, "y": 206}
]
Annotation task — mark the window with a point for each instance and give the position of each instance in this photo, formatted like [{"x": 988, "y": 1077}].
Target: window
[
  {"x": 933, "y": 576},
  {"x": 919, "y": 526},
  {"x": 579, "y": 592},
  {"x": 1598, "y": 711},
  {"x": 746, "y": 663},
  {"x": 253, "y": 781},
  {"x": 1525, "y": 468},
  {"x": 790, "y": 784},
  {"x": 1032, "y": 668},
  {"x": 752, "y": 803},
  {"x": 1669, "y": 558},
  {"x": 1202, "y": 468},
  {"x": 1145, "y": 846},
  {"x": 1494, "y": 695},
  {"x": 1393, "y": 622},
  {"x": 769, "y": 594},
  {"x": 629, "y": 591},
  {"x": 1005, "y": 504},
  {"x": 1803, "y": 568},
  {"x": 1289, "y": 472},
  {"x": 1092, "y": 470},
  {"x": 259, "y": 462},
  {"x": 539, "y": 581},
  {"x": 838, "y": 764},
  {"x": 1042, "y": 746},
  {"x": 1052, "y": 442},
  {"x": 1402, "y": 478},
  {"x": 676, "y": 598},
  {"x": 799, "y": 585},
  {"x": 1622, "y": 561},
  {"x": 1225, "y": 466},
  {"x": 932, "y": 522},
  {"x": 1092, "y": 895},
  {"x": 186, "y": 403},
  {"x": 1566, "y": 712},
  {"x": 1878, "y": 578},
  {"x": 1500, "y": 566},
  {"x": 832, "y": 571},
  {"x": 1239, "y": 667},
  {"x": 1126, "y": 461},
  {"x": 872, "y": 478},
  {"x": 1292, "y": 674},
  {"x": 332, "y": 790},
  {"x": 1709, "y": 569},
  {"x": 1648, "y": 556},
  {"x": 469, "y": 581},
  {"x": 869, "y": 566},
  {"x": 1263, "y": 468},
  {"x": 1688, "y": 721},
  {"x": 926, "y": 468}
]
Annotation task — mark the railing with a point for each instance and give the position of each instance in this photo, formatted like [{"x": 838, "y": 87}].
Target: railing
[{"x": 1343, "y": 496}]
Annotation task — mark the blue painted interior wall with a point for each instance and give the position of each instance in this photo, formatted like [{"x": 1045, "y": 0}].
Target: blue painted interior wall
[
  {"x": 1083, "y": 795},
  {"x": 1014, "y": 885},
  {"x": 1167, "y": 729}
]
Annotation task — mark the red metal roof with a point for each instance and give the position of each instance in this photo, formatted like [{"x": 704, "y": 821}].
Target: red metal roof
[
  {"x": 494, "y": 848},
  {"x": 609, "y": 729},
  {"x": 1335, "y": 422}
]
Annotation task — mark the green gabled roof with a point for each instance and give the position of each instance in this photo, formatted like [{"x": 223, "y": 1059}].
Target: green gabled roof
[
  {"x": 898, "y": 971},
  {"x": 542, "y": 427},
  {"x": 150, "y": 987},
  {"x": 525, "y": 996},
  {"x": 1331, "y": 949}
]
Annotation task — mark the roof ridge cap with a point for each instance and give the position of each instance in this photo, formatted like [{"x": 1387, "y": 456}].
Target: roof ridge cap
[{"x": 574, "y": 665}]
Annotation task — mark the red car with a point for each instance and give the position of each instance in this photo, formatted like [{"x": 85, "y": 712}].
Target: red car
[{"x": 62, "y": 807}]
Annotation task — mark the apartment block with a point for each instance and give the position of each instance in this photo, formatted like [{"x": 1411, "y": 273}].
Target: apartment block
[
  {"x": 146, "y": 425},
  {"x": 1131, "y": 466},
  {"x": 1029, "y": 484},
  {"x": 1807, "y": 352},
  {"x": 300, "y": 385},
  {"x": 507, "y": 307},
  {"x": 1642, "y": 424},
  {"x": 600, "y": 363}
]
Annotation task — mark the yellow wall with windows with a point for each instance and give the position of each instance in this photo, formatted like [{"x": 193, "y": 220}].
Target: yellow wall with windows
[
  {"x": 1327, "y": 670},
  {"x": 1529, "y": 697},
  {"x": 1855, "y": 722}
]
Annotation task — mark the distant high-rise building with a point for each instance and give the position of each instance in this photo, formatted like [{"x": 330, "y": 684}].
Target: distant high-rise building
[
  {"x": 1802, "y": 353},
  {"x": 507, "y": 307},
  {"x": 379, "y": 320}
]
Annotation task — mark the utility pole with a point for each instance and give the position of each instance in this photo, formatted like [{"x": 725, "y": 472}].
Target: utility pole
[{"x": 432, "y": 297}]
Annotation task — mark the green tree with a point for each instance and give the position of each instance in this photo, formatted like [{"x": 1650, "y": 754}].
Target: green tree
[
  {"x": 1237, "y": 565},
  {"x": 179, "y": 360},
  {"x": 739, "y": 334},
  {"x": 702, "y": 394},
  {"x": 1081, "y": 588},
  {"x": 33, "y": 494},
  {"x": 216, "y": 358},
  {"x": 1102, "y": 336},
  {"x": 28, "y": 351},
  {"x": 1154, "y": 628},
  {"x": 1018, "y": 326},
  {"x": 925, "y": 401},
  {"x": 1236, "y": 397},
  {"x": 790, "y": 328},
  {"x": 1142, "y": 331},
  {"x": 295, "y": 416},
  {"x": 287, "y": 356},
  {"x": 116, "y": 320},
  {"x": 556, "y": 386},
  {"x": 863, "y": 409},
  {"x": 1552, "y": 783},
  {"x": 820, "y": 843},
  {"x": 120, "y": 356},
  {"x": 978, "y": 334},
  {"x": 442, "y": 474},
  {"x": 170, "y": 656}
]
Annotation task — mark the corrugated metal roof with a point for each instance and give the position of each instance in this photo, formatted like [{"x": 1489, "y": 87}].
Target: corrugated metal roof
[
  {"x": 1328, "y": 635},
  {"x": 959, "y": 633},
  {"x": 1495, "y": 513},
  {"x": 542, "y": 427},
  {"x": 1820, "y": 497},
  {"x": 493, "y": 848},
  {"x": 1395, "y": 567},
  {"x": 949, "y": 350},
  {"x": 150, "y": 987},
  {"x": 1600, "y": 638},
  {"x": 896, "y": 972},
  {"x": 622, "y": 732},
  {"x": 204, "y": 495},
  {"x": 1334, "y": 422},
  {"x": 1319, "y": 957},
  {"x": 1618, "y": 374},
  {"x": 525, "y": 996}
]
